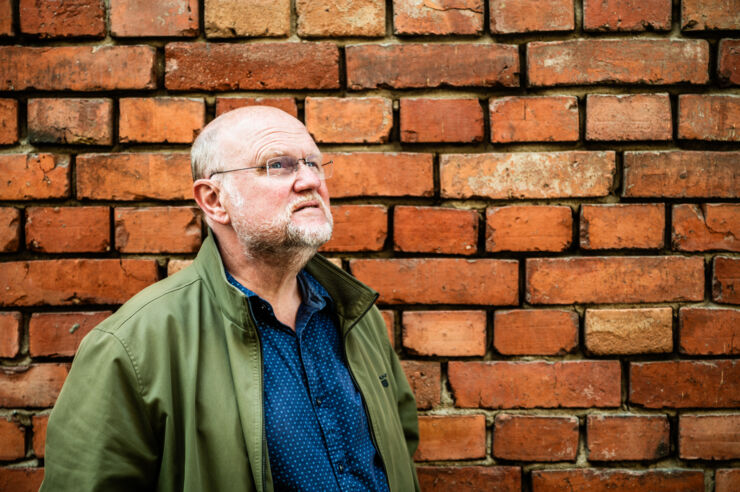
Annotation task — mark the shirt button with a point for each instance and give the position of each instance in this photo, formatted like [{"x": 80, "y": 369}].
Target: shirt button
[
  {"x": 318, "y": 402},
  {"x": 340, "y": 468}
]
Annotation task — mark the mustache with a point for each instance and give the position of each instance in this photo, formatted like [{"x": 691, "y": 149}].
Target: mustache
[{"x": 311, "y": 197}]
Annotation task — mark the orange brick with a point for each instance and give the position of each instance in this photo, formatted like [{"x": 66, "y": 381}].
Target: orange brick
[
  {"x": 627, "y": 15},
  {"x": 37, "y": 385},
  {"x": 164, "y": 119},
  {"x": 441, "y": 281},
  {"x": 129, "y": 176},
  {"x": 709, "y": 437},
  {"x": 62, "y": 18},
  {"x": 425, "y": 380},
  {"x": 442, "y": 17},
  {"x": 629, "y": 331},
  {"x": 68, "y": 229},
  {"x": 13, "y": 437},
  {"x": 622, "y": 225},
  {"x": 571, "y": 384},
  {"x": 358, "y": 228},
  {"x": 621, "y": 61},
  {"x": 709, "y": 117},
  {"x": 516, "y": 16},
  {"x": 132, "y": 18},
  {"x": 287, "y": 104},
  {"x": 628, "y": 117},
  {"x": 685, "y": 384},
  {"x": 627, "y": 437},
  {"x": 706, "y": 227},
  {"x": 351, "y": 120},
  {"x": 701, "y": 15},
  {"x": 6, "y": 18},
  {"x": 534, "y": 119},
  {"x": 66, "y": 282},
  {"x": 39, "y": 434},
  {"x": 614, "y": 279},
  {"x": 229, "y": 18},
  {"x": 445, "y": 333},
  {"x": 158, "y": 229},
  {"x": 605, "y": 480},
  {"x": 729, "y": 62},
  {"x": 71, "y": 121},
  {"x": 470, "y": 478},
  {"x": 10, "y": 324},
  {"x": 10, "y": 229},
  {"x": 8, "y": 121},
  {"x": 535, "y": 438},
  {"x": 709, "y": 331},
  {"x": 461, "y": 437},
  {"x": 441, "y": 120},
  {"x": 455, "y": 231},
  {"x": 34, "y": 176},
  {"x": 59, "y": 334},
  {"x": 535, "y": 332},
  {"x": 381, "y": 174},
  {"x": 726, "y": 280},
  {"x": 727, "y": 480},
  {"x": 326, "y": 18},
  {"x": 529, "y": 228}
]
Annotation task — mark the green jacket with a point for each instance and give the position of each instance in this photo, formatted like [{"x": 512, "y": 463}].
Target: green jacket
[{"x": 166, "y": 394}]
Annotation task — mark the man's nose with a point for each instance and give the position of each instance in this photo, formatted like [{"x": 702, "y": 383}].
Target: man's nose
[{"x": 305, "y": 178}]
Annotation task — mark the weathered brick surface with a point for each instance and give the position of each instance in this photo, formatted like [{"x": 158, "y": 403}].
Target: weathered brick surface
[
  {"x": 628, "y": 117},
  {"x": 137, "y": 18},
  {"x": 34, "y": 176},
  {"x": 685, "y": 384},
  {"x": 424, "y": 379},
  {"x": 21, "y": 479},
  {"x": 622, "y": 225},
  {"x": 389, "y": 317},
  {"x": 71, "y": 121},
  {"x": 62, "y": 18},
  {"x": 709, "y": 117},
  {"x": 629, "y": 331},
  {"x": 6, "y": 18},
  {"x": 225, "y": 104},
  {"x": 441, "y": 120},
  {"x": 534, "y": 119},
  {"x": 706, "y": 227},
  {"x": 10, "y": 333},
  {"x": 157, "y": 229},
  {"x": 535, "y": 438},
  {"x": 324, "y": 18},
  {"x": 235, "y": 18},
  {"x": 627, "y": 15},
  {"x": 167, "y": 119},
  {"x": 529, "y": 228},
  {"x": 726, "y": 280},
  {"x": 13, "y": 437},
  {"x": 627, "y": 437},
  {"x": 174, "y": 266},
  {"x": 709, "y": 437},
  {"x": 595, "y": 480},
  {"x": 729, "y": 61},
  {"x": 709, "y": 331},
  {"x": 623, "y": 61},
  {"x": 380, "y": 174},
  {"x": 515, "y": 16},
  {"x": 456, "y": 231},
  {"x": 443, "y": 17},
  {"x": 445, "y": 333},
  {"x": 614, "y": 279},
  {"x": 571, "y": 384},
  {"x": 352, "y": 120},
  {"x": 470, "y": 478},
  {"x": 460, "y": 437},
  {"x": 727, "y": 480},
  {"x": 59, "y": 334},
  {"x": 8, "y": 121},
  {"x": 10, "y": 229},
  {"x": 699, "y": 15},
  {"x": 39, "y": 434},
  {"x": 535, "y": 332},
  {"x": 37, "y": 385},
  {"x": 68, "y": 229},
  {"x": 358, "y": 228}
]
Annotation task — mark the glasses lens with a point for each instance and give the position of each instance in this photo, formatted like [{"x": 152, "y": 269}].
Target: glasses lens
[{"x": 287, "y": 165}]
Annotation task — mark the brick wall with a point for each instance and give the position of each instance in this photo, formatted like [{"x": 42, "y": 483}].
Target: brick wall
[{"x": 546, "y": 194}]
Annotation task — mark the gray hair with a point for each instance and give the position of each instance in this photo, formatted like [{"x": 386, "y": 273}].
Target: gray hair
[{"x": 205, "y": 155}]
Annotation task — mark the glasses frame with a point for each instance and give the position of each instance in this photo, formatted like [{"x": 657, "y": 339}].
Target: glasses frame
[{"x": 266, "y": 167}]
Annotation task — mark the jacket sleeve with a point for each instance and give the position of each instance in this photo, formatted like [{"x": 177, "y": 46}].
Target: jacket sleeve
[{"x": 99, "y": 437}]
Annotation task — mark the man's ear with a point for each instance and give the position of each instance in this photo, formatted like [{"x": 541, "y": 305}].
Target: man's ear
[{"x": 208, "y": 197}]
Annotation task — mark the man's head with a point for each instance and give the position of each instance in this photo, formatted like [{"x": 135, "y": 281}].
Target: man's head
[{"x": 267, "y": 213}]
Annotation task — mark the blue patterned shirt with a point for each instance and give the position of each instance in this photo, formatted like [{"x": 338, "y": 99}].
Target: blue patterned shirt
[{"x": 318, "y": 435}]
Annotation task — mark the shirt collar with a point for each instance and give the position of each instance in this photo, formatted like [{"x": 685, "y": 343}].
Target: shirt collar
[{"x": 313, "y": 294}]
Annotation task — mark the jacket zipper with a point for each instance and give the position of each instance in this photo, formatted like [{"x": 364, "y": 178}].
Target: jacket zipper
[{"x": 261, "y": 392}]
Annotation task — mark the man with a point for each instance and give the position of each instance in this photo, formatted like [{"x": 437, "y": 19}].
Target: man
[{"x": 261, "y": 366}]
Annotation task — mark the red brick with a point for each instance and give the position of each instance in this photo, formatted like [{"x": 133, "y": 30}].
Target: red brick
[
  {"x": 629, "y": 331},
  {"x": 706, "y": 227},
  {"x": 709, "y": 117},
  {"x": 701, "y": 15},
  {"x": 535, "y": 438},
  {"x": 351, "y": 120},
  {"x": 6, "y": 18},
  {"x": 709, "y": 437},
  {"x": 132, "y": 18},
  {"x": 726, "y": 280},
  {"x": 67, "y": 282},
  {"x": 524, "y": 175},
  {"x": 729, "y": 62},
  {"x": 441, "y": 281},
  {"x": 68, "y": 229},
  {"x": 529, "y": 228},
  {"x": 229, "y": 18},
  {"x": 627, "y": 437},
  {"x": 727, "y": 480},
  {"x": 77, "y": 68},
  {"x": 358, "y": 228},
  {"x": 515, "y": 16},
  {"x": 470, "y": 478},
  {"x": 709, "y": 331},
  {"x": 455, "y": 230},
  {"x": 381, "y": 174},
  {"x": 622, "y": 225},
  {"x": 418, "y": 65},
  {"x": 620, "y": 61},
  {"x": 13, "y": 437},
  {"x": 59, "y": 334},
  {"x": 34, "y": 176},
  {"x": 10, "y": 324},
  {"x": 287, "y": 104},
  {"x": 535, "y": 332},
  {"x": 21, "y": 479},
  {"x": 628, "y": 117},
  {"x": 614, "y": 279},
  {"x": 595, "y": 480},
  {"x": 62, "y": 18},
  {"x": 158, "y": 229},
  {"x": 685, "y": 384},
  {"x": 627, "y": 15},
  {"x": 534, "y": 119},
  {"x": 255, "y": 66},
  {"x": 129, "y": 176},
  {"x": 445, "y": 333},
  {"x": 10, "y": 229},
  {"x": 425, "y": 380},
  {"x": 441, "y": 17},
  {"x": 159, "y": 120},
  {"x": 460, "y": 437},
  {"x": 326, "y": 18},
  {"x": 71, "y": 121},
  {"x": 441, "y": 120},
  {"x": 571, "y": 384},
  {"x": 39, "y": 434},
  {"x": 8, "y": 121},
  {"x": 681, "y": 174},
  {"x": 37, "y": 385}
]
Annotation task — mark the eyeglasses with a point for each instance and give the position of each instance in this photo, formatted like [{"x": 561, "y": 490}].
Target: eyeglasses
[{"x": 286, "y": 165}]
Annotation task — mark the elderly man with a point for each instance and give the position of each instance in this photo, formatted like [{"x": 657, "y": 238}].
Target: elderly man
[{"x": 260, "y": 367}]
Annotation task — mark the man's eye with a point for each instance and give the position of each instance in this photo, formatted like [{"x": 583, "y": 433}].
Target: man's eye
[
  {"x": 312, "y": 164},
  {"x": 275, "y": 165}
]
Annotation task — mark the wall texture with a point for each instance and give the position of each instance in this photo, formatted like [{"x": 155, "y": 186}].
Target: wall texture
[{"x": 546, "y": 194}]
